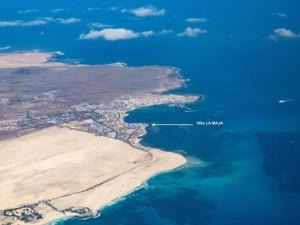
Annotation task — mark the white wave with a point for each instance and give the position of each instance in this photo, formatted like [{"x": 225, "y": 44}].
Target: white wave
[{"x": 282, "y": 101}]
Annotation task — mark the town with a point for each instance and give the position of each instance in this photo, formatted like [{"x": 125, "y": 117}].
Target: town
[{"x": 102, "y": 119}]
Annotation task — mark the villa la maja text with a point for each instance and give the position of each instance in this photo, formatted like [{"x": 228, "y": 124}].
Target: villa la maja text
[{"x": 210, "y": 123}]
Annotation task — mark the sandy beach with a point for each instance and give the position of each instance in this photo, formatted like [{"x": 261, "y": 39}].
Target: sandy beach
[{"x": 67, "y": 169}]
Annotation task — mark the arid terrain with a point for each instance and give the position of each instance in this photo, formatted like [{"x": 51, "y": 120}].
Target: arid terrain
[
  {"x": 50, "y": 87},
  {"x": 65, "y": 148},
  {"x": 62, "y": 169}
]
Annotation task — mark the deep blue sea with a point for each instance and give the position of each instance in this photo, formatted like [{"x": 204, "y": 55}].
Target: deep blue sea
[{"x": 246, "y": 172}]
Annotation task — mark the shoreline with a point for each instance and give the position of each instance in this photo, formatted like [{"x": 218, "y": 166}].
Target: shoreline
[
  {"x": 141, "y": 186},
  {"x": 118, "y": 199},
  {"x": 96, "y": 198},
  {"x": 85, "y": 201},
  {"x": 133, "y": 179}
]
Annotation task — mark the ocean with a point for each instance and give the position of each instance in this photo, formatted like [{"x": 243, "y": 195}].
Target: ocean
[{"x": 246, "y": 172}]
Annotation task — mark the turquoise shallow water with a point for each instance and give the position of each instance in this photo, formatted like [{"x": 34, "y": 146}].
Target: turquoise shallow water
[{"x": 250, "y": 174}]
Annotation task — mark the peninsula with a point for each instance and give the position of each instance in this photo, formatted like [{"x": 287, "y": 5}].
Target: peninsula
[{"x": 65, "y": 148}]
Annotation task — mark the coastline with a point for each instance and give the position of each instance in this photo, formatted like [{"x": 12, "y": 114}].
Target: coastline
[
  {"x": 144, "y": 184},
  {"x": 60, "y": 220},
  {"x": 116, "y": 130},
  {"x": 100, "y": 195}
]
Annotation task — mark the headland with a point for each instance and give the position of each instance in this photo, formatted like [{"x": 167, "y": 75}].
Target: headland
[{"x": 65, "y": 148}]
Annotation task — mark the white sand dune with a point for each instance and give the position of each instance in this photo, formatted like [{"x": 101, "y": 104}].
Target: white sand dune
[{"x": 74, "y": 169}]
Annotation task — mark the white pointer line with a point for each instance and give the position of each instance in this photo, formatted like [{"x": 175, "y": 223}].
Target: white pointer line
[{"x": 171, "y": 124}]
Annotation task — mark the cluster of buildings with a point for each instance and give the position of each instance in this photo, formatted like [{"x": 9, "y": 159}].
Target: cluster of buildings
[
  {"x": 25, "y": 214},
  {"x": 103, "y": 119},
  {"x": 108, "y": 119}
]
